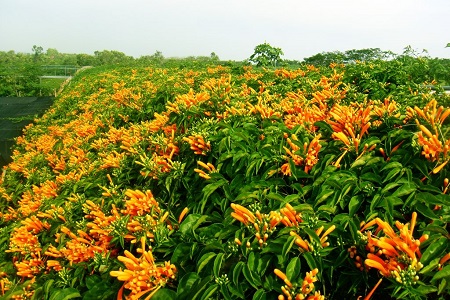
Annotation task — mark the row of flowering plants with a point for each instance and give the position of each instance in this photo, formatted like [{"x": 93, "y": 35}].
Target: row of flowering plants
[{"x": 230, "y": 183}]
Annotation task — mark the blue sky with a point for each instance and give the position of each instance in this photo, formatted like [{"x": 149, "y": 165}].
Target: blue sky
[{"x": 231, "y": 29}]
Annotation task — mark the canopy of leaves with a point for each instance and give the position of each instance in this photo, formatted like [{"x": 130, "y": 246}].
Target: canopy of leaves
[{"x": 265, "y": 55}]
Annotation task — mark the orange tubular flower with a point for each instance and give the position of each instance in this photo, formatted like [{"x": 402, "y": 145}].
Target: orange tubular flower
[
  {"x": 208, "y": 169},
  {"x": 283, "y": 277},
  {"x": 140, "y": 203},
  {"x": 261, "y": 224},
  {"x": 434, "y": 147},
  {"x": 183, "y": 214},
  {"x": 308, "y": 156},
  {"x": 369, "y": 295},
  {"x": 303, "y": 291},
  {"x": 143, "y": 275},
  {"x": 198, "y": 144},
  {"x": 292, "y": 216},
  {"x": 395, "y": 254},
  {"x": 242, "y": 214}
]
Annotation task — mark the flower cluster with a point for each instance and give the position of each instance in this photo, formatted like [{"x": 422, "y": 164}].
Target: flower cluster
[
  {"x": 394, "y": 254},
  {"x": 306, "y": 156},
  {"x": 303, "y": 291},
  {"x": 142, "y": 274}
]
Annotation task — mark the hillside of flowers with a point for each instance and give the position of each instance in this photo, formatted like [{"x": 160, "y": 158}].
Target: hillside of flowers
[{"x": 227, "y": 182}]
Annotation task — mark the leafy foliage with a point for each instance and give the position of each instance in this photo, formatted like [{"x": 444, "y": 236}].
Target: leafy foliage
[
  {"x": 231, "y": 183},
  {"x": 266, "y": 55}
]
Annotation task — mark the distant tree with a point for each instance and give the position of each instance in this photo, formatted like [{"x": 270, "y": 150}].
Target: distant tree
[
  {"x": 52, "y": 53},
  {"x": 349, "y": 56},
  {"x": 214, "y": 56},
  {"x": 37, "y": 52},
  {"x": 265, "y": 55},
  {"x": 85, "y": 60},
  {"x": 107, "y": 57},
  {"x": 157, "y": 56},
  {"x": 448, "y": 45},
  {"x": 325, "y": 58}
]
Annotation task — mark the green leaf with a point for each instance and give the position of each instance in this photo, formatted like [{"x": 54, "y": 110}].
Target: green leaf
[
  {"x": 47, "y": 287},
  {"x": 65, "y": 294},
  {"x": 360, "y": 162},
  {"x": 186, "y": 282},
  {"x": 251, "y": 277},
  {"x": 293, "y": 268},
  {"x": 375, "y": 202},
  {"x": 354, "y": 205},
  {"x": 218, "y": 264},
  {"x": 442, "y": 286},
  {"x": 225, "y": 291},
  {"x": 287, "y": 246},
  {"x": 164, "y": 294},
  {"x": 389, "y": 186},
  {"x": 237, "y": 290},
  {"x": 429, "y": 198},
  {"x": 259, "y": 295},
  {"x": 275, "y": 196},
  {"x": 393, "y": 173},
  {"x": 252, "y": 260},
  {"x": 374, "y": 161},
  {"x": 324, "y": 194},
  {"x": 435, "y": 249},
  {"x": 405, "y": 189},
  {"x": 204, "y": 260},
  {"x": 198, "y": 288},
  {"x": 92, "y": 281},
  {"x": 237, "y": 272},
  {"x": 191, "y": 223},
  {"x": 208, "y": 294},
  {"x": 425, "y": 210},
  {"x": 263, "y": 263},
  {"x": 313, "y": 235},
  {"x": 101, "y": 291},
  {"x": 435, "y": 228},
  {"x": 393, "y": 201},
  {"x": 444, "y": 273},
  {"x": 209, "y": 189},
  {"x": 180, "y": 252},
  {"x": 392, "y": 165},
  {"x": 433, "y": 264},
  {"x": 310, "y": 260}
]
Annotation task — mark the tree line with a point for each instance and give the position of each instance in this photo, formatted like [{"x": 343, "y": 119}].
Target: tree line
[{"x": 20, "y": 73}]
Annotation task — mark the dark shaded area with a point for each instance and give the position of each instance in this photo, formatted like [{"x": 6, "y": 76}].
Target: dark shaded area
[{"x": 15, "y": 114}]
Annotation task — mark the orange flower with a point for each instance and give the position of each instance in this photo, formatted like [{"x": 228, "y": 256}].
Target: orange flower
[
  {"x": 5, "y": 284},
  {"x": 183, "y": 213},
  {"x": 306, "y": 156},
  {"x": 185, "y": 101},
  {"x": 112, "y": 160},
  {"x": 283, "y": 277},
  {"x": 242, "y": 214},
  {"x": 207, "y": 167},
  {"x": 292, "y": 217},
  {"x": 303, "y": 291},
  {"x": 307, "y": 246},
  {"x": 143, "y": 275},
  {"x": 198, "y": 144},
  {"x": 394, "y": 254},
  {"x": 140, "y": 203},
  {"x": 434, "y": 147}
]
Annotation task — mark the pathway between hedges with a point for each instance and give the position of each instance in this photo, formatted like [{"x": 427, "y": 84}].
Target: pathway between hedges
[{"x": 15, "y": 114}]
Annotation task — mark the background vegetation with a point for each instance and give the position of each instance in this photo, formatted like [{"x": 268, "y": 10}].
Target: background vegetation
[{"x": 20, "y": 72}]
